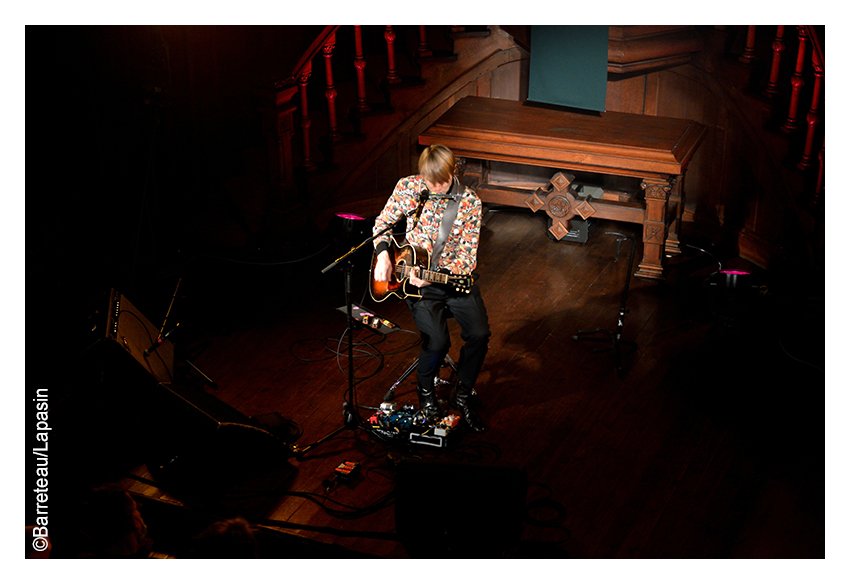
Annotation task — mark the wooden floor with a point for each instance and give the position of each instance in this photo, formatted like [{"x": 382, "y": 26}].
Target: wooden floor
[{"x": 710, "y": 445}]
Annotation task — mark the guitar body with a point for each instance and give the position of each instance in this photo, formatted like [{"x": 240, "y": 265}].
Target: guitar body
[
  {"x": 405, "y": 258},
  {"x": 409, "y": 256}
]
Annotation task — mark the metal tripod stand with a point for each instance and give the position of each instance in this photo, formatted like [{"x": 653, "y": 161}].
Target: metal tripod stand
[
  {"x": 615, "y": 338},
  {"x": 447, "y": 362},
  {"x": 350, "y": 415}
]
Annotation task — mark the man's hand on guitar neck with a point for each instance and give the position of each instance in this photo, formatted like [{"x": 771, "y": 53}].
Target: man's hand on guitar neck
[{"x": 414, "y": 279}]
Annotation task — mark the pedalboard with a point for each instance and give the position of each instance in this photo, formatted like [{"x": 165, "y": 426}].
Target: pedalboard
[{"x": 405, "y": 423}]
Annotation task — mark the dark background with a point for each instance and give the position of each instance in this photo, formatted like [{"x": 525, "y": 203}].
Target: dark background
[{"x": 131, "y": 133}]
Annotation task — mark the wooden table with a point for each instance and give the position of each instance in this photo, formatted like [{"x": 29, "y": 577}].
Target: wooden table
[{"x": 652, "y": 152}]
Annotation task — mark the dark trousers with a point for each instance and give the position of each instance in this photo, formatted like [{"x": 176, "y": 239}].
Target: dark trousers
[{"x": 431, "y": 313}]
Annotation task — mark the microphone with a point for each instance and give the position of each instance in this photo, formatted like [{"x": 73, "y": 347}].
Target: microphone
[
  {"x": 454, "y": 192},
  {"x": 424, "y": 195},
  {"x": 159, "y": 341}
]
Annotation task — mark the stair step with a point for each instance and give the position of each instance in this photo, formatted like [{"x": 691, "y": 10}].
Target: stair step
[
  {"x": 462, "y": 32},
  {"x": 438, "y": 56}
]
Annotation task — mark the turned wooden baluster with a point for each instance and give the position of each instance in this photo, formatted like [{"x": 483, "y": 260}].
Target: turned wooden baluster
[
  {"x": 330, "y": 90},
  {"x": 812, "y": 118},
  {"x": 791, "y": 123},
  {"x": 749, "y": 54},
  {"x": 360, "y": 66},
  {"x": 818, "y": 198},
  {"x": 303, "y": 78},
  {"x": 424, "y": 50},
  {"x": 392, "y": 74},
  {"x": 778, "y": 46},
  {"x": 284, "y": 130}
]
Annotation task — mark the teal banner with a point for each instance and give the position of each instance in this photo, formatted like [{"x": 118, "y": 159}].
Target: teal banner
[{"x": 569, "y": 66}]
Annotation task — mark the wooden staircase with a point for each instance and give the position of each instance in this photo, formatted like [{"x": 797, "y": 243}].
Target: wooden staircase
[
  {"x": 773, "y": 79},
  {"x": 356, "y": 168}
]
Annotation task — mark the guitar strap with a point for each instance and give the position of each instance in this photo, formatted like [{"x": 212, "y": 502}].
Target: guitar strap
[{"x": 446, "y": 225}]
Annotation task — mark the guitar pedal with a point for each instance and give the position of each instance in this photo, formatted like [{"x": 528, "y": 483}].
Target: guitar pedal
[{"x": 369, "y": 319}]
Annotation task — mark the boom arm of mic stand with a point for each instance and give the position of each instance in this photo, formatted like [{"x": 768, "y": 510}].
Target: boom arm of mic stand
[
  {"x": 355, "y": 249},
  {"x": 333, "y": 264}
]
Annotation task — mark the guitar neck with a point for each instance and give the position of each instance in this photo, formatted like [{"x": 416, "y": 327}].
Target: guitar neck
[{"x": 404, "y": 271}]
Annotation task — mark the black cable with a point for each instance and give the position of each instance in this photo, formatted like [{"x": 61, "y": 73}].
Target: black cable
[
  {"x": 338, "y": 352},
  {"x": 790, "y": 356},
  {"x": 376, "y": 355}
]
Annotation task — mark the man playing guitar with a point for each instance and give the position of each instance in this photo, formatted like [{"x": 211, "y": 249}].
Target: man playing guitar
[{"x": 443, "y": 225}]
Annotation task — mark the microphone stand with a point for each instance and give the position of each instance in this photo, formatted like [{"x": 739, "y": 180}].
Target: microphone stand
[
  {"x": 616, "y": 337},
  {"x": 351, "y": 420},
  {"x": 183, "y": 356}
]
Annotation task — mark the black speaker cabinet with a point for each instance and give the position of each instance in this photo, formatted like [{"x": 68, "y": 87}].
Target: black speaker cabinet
[
  {"x": 196, "y": 439},
  {"x": 186, "y": 435},
  {"x": 579, "y": 230},
  {"x": 454, "y": 510}
]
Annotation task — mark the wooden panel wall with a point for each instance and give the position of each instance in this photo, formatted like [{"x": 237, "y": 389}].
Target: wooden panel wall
[{"x": 736, "y": 185}]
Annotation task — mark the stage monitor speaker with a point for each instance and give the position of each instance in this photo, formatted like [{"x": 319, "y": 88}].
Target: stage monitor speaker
[
  {"x": 116, "y": 326},
  {"x": 197, "y": 440},
  {"x": 453, "y": 510},
  {"x": 187, "y": 436}
]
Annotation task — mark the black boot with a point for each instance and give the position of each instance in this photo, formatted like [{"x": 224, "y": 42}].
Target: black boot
[
  {"x": 428, "y": 401},
  {"x": 461, "y": 400}
]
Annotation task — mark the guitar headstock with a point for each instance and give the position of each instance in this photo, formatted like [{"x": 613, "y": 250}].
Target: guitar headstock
[{"x": 462, "y": 284}]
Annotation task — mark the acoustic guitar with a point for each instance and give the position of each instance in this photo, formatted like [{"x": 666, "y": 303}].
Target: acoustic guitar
[{"x": 406, "y": 258}]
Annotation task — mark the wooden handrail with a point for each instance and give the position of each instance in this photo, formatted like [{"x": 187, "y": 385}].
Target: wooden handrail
[
  {"x": 311, "y": 52},
  {"x": 817, "y": 45}
]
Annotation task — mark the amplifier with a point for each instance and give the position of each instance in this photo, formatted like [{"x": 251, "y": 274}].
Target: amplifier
[
  {"x": 579, "y": 230},
  {"x": 114, "y": 322}
]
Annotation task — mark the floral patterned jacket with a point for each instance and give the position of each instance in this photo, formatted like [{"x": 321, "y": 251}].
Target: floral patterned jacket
[{"x": 460, "y": 254}]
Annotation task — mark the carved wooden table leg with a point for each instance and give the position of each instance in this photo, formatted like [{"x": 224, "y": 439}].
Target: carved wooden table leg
[
  {"x": 677, "y": 204},
  {"x": 656, "y": 193}
]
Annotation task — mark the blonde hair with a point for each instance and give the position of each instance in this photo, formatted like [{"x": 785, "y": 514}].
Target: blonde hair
[{"x": 437, "y": 164}]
